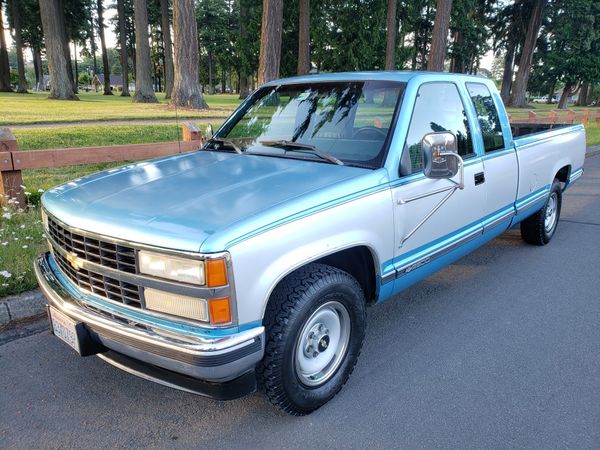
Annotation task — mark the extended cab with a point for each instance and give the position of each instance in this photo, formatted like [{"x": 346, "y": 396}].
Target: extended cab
[{"x": 253, "y": 260}]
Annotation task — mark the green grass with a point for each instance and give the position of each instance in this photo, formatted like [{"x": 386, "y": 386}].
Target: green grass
[
  {"x": 593, "y": 134},
  {"x": 21, "y": 109},
  {"x": 94, "y": 136},
  {"x": 21, "y": 240}
]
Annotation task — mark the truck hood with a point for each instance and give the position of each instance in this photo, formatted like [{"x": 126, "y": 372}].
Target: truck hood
[{"x": 186, "y": 201}]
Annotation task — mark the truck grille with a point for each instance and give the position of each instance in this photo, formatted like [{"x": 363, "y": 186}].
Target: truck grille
[
  {"x": 102, "y": 285},
  {"x": 93, "y": 250}
]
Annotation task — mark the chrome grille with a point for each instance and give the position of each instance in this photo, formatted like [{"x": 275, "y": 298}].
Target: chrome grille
[
  {"x": 100, "y": 252},
  {"x": 102, "y": 285}
]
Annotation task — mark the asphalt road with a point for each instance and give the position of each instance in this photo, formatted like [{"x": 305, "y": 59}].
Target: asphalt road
[{"x": 499, "y": 350}]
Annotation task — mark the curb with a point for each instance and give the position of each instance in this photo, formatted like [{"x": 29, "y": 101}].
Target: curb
[
  {"x": 592, "y": 151},
  {"x": 22, "y": 306}
]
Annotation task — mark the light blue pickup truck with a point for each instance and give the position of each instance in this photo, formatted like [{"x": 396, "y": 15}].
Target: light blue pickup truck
[{"x": 251, "y": 262}]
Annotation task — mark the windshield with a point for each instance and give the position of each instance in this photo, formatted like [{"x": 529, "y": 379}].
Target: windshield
[{"x": 345, "y": 121}]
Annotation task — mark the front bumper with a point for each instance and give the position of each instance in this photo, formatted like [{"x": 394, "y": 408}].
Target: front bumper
[{"x": 152, "y": 353}]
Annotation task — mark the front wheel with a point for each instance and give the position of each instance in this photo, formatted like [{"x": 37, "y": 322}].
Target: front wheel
[
  {"x": 539, "y": 228},
  {"x": 315, "y": 325}
]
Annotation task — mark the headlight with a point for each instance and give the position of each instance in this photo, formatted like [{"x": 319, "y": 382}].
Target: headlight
[{"x": 175, "y": 268}]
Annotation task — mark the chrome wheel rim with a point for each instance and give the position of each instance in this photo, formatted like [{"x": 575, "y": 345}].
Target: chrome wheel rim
[
  {"x": 322, "y": 344},
  {"x": 551, "y": 213}
]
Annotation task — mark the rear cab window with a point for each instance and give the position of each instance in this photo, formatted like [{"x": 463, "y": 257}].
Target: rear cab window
[
  {"x": 438, "y": 107},
  {"x": 487, "y": 116}
]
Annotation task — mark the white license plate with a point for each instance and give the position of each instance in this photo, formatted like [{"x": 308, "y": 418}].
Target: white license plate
[{"x": 64, "y": 328}]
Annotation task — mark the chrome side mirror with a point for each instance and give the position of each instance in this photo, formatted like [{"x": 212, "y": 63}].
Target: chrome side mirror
[
  {"x": 209, "y": 131},
  {"x": 440, "y": 159}
]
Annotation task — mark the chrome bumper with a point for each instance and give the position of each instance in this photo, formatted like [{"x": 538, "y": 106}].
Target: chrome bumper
[{"x": 214, "y": 359}]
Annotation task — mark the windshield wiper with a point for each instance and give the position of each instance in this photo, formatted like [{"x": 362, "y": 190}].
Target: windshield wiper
[
  {"x": 226, "y": 142},
  {"x": 298, "y": 146}
]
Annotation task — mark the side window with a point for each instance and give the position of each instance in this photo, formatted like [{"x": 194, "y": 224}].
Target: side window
[
  {"x": 438, "y": 107},
  {"x": 487, "y": 115}
]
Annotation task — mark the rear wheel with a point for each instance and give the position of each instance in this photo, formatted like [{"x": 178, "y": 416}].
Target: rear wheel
[
  {"x": 315, "y": 325},
  {"x": 539, "y": 228}
]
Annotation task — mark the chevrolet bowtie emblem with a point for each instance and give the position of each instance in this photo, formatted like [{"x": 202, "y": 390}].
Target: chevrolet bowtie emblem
[{"x": 74, "y": 261}]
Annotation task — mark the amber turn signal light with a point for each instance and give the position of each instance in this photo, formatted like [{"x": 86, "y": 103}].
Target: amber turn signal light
[
  {"x": 216, "y": 273},
  {"x": 220, "y": 312}
]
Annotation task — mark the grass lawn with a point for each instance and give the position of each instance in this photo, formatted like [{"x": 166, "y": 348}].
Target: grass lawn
[{"x": 20, "y": 109}]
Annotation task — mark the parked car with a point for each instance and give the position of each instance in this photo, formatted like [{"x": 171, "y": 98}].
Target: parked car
[{"x": 252, "y": 261}]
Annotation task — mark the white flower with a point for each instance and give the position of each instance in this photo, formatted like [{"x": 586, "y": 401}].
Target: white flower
[
  {"x": 25, "y": 246},
  {"x": 4, "y": 284},
  {"x": 28, "y": 238},
  {"x": 22, "y": 226},
  {"x": 40, "y": 190},
  {"x": 5, "y": 243},
  {"x": 6, "y": 274},
  {"x": 7, "y": 215},
  {"x": 44, "y": 235},
  {"x": 27, "y": 193},
  {"x": 23, "y": 187}
]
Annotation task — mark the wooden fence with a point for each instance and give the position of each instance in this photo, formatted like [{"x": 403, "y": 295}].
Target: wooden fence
[
  {"x": 567, "y": 116},
  {"x": 13, "y": 161}
]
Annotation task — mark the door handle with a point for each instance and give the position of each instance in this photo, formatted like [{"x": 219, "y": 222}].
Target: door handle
[{"x": 479, "y": 178}]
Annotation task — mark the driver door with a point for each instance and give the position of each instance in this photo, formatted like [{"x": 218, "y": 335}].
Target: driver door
[{"x": 432, "y": 229}]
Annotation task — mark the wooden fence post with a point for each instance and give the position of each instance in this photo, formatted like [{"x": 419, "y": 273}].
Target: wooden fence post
[
  {"x": 586, "y": 117},
  {"x": 531, "y": 116},
  {"x": 191, "y": 132},
  {"x": 10, "y": 180},
  {"x": 553, "y": 115}
]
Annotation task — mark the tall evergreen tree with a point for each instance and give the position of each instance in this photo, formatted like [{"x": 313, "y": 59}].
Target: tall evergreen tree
[
  {"x": 105, "y": 65},
  {"x": 144, "y": 90},
  {"x": 439, "y": 40},
  {"x": 303, "y": 37},
  {"x": 123, "y": 48},
  {"x": 57, "y": 51},
  {"x": 15, "y": 9},
  {"x": 186, "y": 90},
  {"x": 168, "y": 47},
  {"x": 4, "y": 64},
  {"x": 518, "y": 98},
  {"x": 270, "y": 41}
]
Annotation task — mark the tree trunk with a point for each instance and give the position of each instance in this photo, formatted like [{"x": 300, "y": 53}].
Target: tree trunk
[
  {"x": 211, "y": 86},
  {"x": 518, "y": 97},
  {"x": 105, "y": 65},
  {"x": 61, "y": 85},
  {"x": 186, "y": 89},
  {"x": 507, "y": 76},
  {"x": 223, "y": 81},
  {"x": 564, "y": 97},
  {"x": 303, "y": 37},
  {"x": 38, "y": 68},
  {"x": 16, "y": 14},
  {"x": 390, "y": 47},
  {"x": 168, "y": 47},
  {"x": 439, "y": 38},
  {"x": 244, "y": 88},
  {"x": 123, "y": 45},
  {"x": 270, "y": 41},
  {"x": 582, "y": 97},
  {"x": 76, "y": 79},
  {"x": 144, "y": 91},
  {"x": 551, "y": 92},
  {"x": 93, "y": 47},
  {"x": 4, "y": 64},
  {"x": 590, "y": 94}
]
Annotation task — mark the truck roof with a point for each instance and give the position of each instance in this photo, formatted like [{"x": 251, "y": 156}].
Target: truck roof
[{"x": 388, "y": 75}]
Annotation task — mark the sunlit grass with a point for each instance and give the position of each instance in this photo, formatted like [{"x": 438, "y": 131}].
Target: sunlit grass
[{"x": 20, "y": 109}]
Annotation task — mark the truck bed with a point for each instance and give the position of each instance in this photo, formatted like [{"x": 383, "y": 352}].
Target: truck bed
[{"x": 523, "y": 129}]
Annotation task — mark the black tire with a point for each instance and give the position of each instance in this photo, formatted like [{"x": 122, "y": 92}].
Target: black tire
[
  {"x": 295, "y": 302},
  {"x": 533, "y": 229}
]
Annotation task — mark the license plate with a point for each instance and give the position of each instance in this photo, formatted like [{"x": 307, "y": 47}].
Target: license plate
[{"x": 64, "y": 328}]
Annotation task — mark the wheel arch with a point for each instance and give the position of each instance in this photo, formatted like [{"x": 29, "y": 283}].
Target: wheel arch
[{"x": 359, "y": 260}]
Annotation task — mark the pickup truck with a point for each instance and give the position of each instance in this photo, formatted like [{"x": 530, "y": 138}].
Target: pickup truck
[{"x": 250, "y": 263}]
